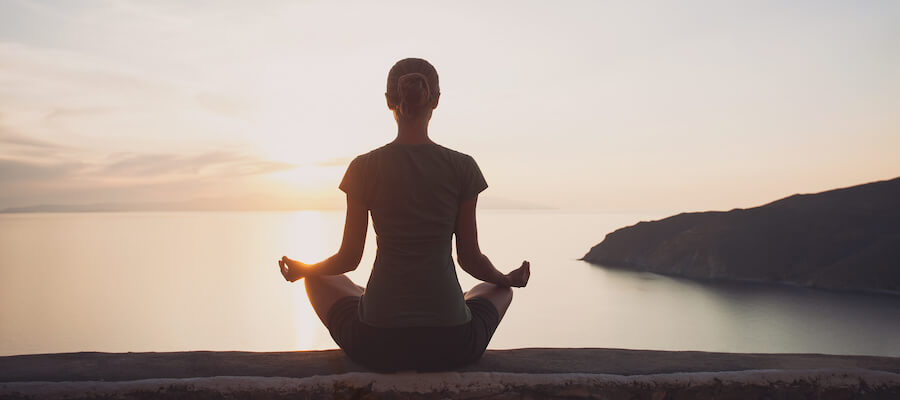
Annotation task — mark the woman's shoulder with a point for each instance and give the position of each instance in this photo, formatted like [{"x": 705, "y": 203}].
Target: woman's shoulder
[
  {"x": 455, "y": 154},
  {"x": 369, "y": 155},
  {"x": 393, "y": 150}
]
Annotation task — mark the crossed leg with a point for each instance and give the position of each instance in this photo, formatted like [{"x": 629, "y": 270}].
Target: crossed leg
[
  {"x": 499, "y": 296},
  {"x": 324, "y": 291}
]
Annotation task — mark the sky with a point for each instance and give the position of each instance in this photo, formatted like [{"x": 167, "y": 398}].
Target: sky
[{"x": 581, "y": 105}]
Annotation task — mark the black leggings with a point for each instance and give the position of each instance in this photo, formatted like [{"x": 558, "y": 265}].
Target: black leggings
[{"x": 412, "y": 348}]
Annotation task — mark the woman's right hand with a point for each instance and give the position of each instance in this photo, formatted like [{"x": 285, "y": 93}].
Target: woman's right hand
[{"x": 519, "y": 276}]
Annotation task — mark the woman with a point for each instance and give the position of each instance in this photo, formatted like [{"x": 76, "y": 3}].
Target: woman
[{"x": 412, "y": 314}]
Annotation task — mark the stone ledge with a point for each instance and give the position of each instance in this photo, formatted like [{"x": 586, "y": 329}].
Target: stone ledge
[
  {"x": 754, "y": 384},
  {"x": 519, "y": 373},
  {"x": 300, "y": 364}
]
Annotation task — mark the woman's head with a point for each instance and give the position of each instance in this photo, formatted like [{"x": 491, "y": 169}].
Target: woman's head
[{"x": 412, "y": 88}]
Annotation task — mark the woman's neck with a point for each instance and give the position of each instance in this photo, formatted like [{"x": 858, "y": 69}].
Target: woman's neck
[{"x": 412, "y": 131}]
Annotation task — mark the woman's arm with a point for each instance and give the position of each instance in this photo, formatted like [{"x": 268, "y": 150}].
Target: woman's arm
[
  {"x": 347, "y": 258},
  {"x": 469, "y": 255}
]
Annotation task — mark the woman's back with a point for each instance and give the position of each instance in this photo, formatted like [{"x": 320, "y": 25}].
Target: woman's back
[
  {"x": 413, "y": 314},
  {"x": 413, "y": 192}
]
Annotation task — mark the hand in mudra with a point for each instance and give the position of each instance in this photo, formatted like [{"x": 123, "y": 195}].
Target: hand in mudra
[
  {"x": 291, "y": 270},
  {"x": 519, "y": 276}
]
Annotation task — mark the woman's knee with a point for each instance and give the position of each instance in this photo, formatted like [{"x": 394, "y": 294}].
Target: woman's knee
[
  {"x": 324, "y": 291},
  {"x": 486, "y": 289},
  {"x": 314, "y": 281},
  {"x": 505, "y": 293},
  {"x": 333, "y": 285},
  {"x": 314, "y": 284},
  {"x": 499, "y": 296}
]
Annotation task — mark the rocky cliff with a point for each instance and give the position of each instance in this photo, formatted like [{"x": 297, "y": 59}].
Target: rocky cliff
[{"x": 840, "y": 239}]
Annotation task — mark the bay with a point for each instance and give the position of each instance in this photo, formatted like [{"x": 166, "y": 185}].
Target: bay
[{"x": 181, "y": 281}]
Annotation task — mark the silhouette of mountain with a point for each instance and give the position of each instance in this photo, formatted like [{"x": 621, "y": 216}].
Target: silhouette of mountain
[{"x": 840, "y": 239}]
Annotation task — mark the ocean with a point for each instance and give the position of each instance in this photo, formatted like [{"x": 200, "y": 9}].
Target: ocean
[{"x": 182, "y": 281}]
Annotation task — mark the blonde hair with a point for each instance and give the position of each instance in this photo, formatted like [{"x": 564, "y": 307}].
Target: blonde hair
[{"x": 412, "y": 87}]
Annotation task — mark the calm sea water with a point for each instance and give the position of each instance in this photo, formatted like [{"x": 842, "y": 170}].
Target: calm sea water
[{"x": 209, "y": 281}]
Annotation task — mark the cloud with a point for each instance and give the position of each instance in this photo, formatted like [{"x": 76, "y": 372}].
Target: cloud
[
  {"x": 35, "y": 70},
  {"x": 72, "y": 112},
  {"x": 149, "y": 167},
  {"x": 11, "y": 139},
  {"x": 99, "y": 101},
  {"x": 16, "y": 171},
  {"x": 15, "y": 146},
  {"x": 215, "y": 163},
  {"x": 131, "y": 177},
  {"x": 82, "y": 127}
]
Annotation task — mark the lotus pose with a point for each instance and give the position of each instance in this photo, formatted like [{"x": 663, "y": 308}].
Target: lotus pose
[{"x": 412, "y": 315}]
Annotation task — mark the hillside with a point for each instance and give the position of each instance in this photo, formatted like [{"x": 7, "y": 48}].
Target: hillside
[{"x": 840, "y": 239}]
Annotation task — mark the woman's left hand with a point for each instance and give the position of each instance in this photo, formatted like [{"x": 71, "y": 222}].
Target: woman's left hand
[
  {"x": 519, "y": 276},
  {"x": 291, "y": 270}
]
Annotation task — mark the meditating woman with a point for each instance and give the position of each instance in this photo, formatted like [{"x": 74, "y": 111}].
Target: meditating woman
[{"x": 412, "y": 315}]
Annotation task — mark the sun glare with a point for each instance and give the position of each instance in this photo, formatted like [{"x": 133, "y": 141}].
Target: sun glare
[
  {"x": 314, "y": 235},
  {"x": 311, "y": 177}
]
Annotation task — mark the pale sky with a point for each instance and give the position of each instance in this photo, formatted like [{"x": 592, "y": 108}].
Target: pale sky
[{"x": 593, "y": 105}]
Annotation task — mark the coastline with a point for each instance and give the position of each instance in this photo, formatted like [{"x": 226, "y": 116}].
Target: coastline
[
  {"x": 763, "y": 282},
  {"x": 531, "y": 372}
]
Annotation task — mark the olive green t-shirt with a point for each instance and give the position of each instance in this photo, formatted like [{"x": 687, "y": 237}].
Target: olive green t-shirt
[{"x": 413, "y": 193}]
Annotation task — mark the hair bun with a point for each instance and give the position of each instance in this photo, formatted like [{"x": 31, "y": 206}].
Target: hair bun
[
  {"x": 412, "y": 88},
  {"x": 414, "y": 92}
]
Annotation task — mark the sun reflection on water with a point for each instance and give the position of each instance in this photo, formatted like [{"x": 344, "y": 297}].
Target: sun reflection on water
[{"x": 310, "y": 236}]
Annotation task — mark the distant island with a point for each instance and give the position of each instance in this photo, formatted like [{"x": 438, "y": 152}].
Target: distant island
[{"x": 846, "y": 239}]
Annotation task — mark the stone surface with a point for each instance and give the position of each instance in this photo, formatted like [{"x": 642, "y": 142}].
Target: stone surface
[
  {"x": 840, "y": 239},
  {"x": 502, "y": 374},
  {"x": 300, "y": 364},
  {"x": 513, "y": 374},
  {"x": 815, "y": 384}
]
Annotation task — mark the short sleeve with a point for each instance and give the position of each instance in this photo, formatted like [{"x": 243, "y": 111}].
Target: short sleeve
[
  {"x": 473, "y": 180},
  {"x": 355, "y": 182}
]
